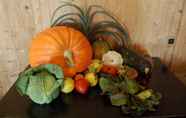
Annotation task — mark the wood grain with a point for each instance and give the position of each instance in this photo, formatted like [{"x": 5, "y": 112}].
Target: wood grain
[
  {"x": 16, "y": 30},
  {"x": 179, "y": 56},
  {"x": 150, "y": 23}
]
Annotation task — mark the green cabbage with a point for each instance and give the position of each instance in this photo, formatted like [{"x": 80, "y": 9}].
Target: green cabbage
[{"x": 41, "y": 84}]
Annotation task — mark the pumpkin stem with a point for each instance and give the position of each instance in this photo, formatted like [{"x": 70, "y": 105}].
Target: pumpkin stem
[{"x": 68, "y": 56}]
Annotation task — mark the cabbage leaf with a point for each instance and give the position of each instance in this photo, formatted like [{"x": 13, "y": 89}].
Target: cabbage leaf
[{"x": 41, "y": 83}]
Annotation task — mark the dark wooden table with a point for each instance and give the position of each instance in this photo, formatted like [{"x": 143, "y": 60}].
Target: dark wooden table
[{"x": 173, "y": 103}]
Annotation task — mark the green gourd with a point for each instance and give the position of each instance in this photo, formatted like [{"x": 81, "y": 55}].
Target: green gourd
[{"x": 100, "y": 47}]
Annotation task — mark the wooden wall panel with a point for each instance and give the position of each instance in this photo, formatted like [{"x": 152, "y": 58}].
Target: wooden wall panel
[
  {"x": 179, "y": 55},
  {"x": 150, "y": 22},
  {"x": 178, "y": 63},
  {"x": 16, "y": 30}
]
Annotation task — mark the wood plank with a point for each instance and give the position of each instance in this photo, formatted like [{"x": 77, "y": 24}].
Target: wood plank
[
  {"x": 179, "y": 56},
  {"x": 16, "y": 30}
]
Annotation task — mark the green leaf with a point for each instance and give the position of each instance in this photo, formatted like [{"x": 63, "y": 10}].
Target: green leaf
[
  {"x": 54, "y": 69},
  {"x": 145, "y": 94},
  {"x": 22, "y": 83},
  {"x": 41, "y": 83},
  {"x": 43, "y": 88},
  {"x": 132, "y": 86},
  {"x": 36, "y": 90},
  {"x": 108, "y": 86},
  {"x": 105, "y": 84},
  {"x": 66, "y": 4},
  {"x": 119, "y": 99},
  {"x": 117, "y": 37},
  {"x": 61, "y": 18}
]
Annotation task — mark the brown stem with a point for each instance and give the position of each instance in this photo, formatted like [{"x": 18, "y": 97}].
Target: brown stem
[{"x": 68, "y": 56}]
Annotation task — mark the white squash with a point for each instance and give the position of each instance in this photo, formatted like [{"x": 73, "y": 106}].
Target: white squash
[{"x": 112, "y": 58}]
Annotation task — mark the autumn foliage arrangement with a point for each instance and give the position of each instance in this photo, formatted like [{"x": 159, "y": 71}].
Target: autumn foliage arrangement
[{"x": 80, "y": 51}]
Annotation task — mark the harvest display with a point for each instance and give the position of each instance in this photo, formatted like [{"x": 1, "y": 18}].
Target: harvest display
[{"x": 81, "y": 51}]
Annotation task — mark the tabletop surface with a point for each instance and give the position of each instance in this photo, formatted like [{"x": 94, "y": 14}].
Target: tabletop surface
[{"x": 173, "y": 103}]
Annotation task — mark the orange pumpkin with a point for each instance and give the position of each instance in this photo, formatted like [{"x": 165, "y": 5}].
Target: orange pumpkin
[{"x": 61, "y": 45}]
